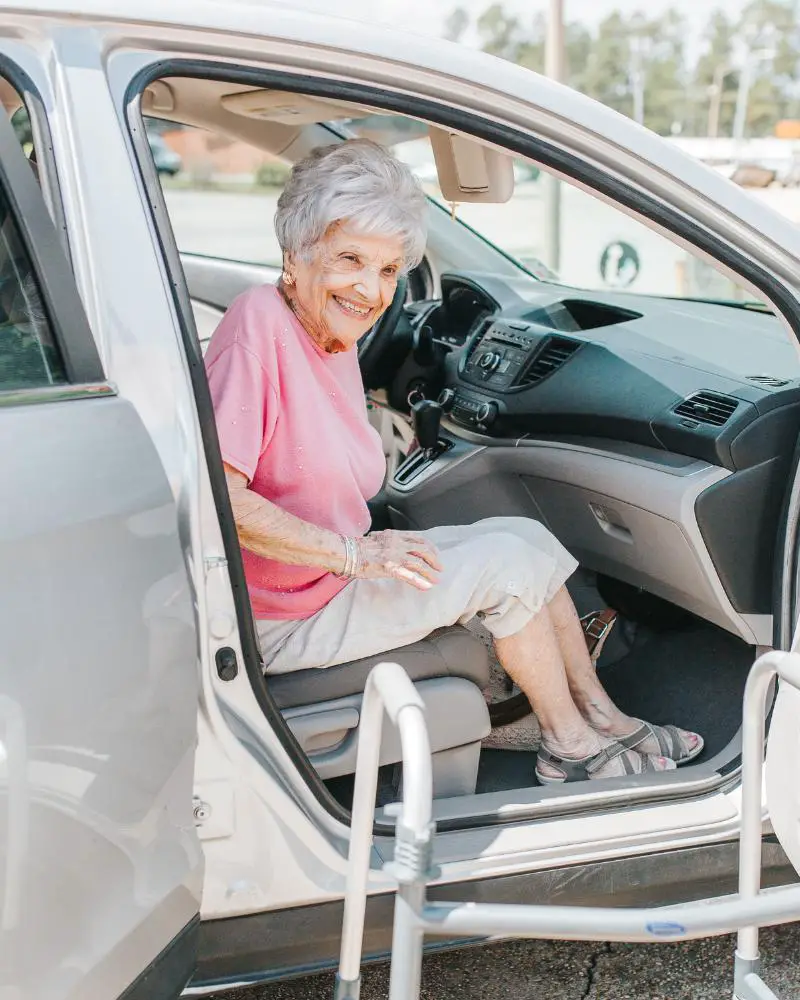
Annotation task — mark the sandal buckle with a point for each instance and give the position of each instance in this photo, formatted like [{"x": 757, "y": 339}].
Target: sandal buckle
[{"x": 596, "y": 628}]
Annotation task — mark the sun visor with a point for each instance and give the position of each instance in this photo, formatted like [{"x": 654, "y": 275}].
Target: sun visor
[
  {"x": 158, "y": 98},
  {"x": 469, "y": 171}
]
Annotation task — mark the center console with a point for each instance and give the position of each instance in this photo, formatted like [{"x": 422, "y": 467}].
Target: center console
[
  {"x": 506, "y": 356},
  {"x": 431, "y": 451}
]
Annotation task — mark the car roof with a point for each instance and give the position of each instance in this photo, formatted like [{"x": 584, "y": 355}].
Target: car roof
[
  {"x": 432, "y": 62},
  {"x": 245, "y": 16}
]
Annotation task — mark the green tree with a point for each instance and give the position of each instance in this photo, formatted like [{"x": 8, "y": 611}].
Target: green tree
[
  {"x": 577, "y": 48},
  {"x": 636, "y": 62},
  {"x": 503, "y": 34},
  {"x": 658, "y": 56},
  {"x": 770, "y": 28},
  {"x": 712, "y": 108},
  {"x": 607, "y": 73},
  {"x": 456, "y": 24},
  {"x": 21, "y": 122},
  {"x": 499, "y": 32}
]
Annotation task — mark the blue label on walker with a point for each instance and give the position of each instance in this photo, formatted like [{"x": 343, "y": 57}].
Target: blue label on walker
[{"x": 665, "y": 929}]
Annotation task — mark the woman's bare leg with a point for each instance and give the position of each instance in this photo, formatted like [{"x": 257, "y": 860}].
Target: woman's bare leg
[
  {"x": 587, "y": 692},
  {"x": 532, "y": 657}
]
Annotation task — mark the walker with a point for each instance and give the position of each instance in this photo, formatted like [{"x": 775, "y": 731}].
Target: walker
[{"x": 389, "y": 687}]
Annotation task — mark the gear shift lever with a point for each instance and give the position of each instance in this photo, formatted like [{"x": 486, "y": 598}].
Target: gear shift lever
[{"x": 426, "y": 415}]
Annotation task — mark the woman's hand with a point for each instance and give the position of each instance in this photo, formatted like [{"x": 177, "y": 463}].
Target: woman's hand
[
  {"x": 401, "y": 555},
  {"x": 273, "y": 533}
]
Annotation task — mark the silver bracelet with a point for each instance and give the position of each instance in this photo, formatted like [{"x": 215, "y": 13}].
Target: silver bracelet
[
  {"x": 352, "y": 558},
  {"x": 356, "y": 557},
  {"x": 343, "y": 574}
]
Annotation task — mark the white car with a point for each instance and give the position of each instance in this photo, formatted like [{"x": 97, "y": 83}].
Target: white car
[{"x": 170, "y": 814}]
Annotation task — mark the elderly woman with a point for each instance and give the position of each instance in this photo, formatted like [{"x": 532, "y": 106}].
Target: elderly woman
[{"x": 301, "y": 461}]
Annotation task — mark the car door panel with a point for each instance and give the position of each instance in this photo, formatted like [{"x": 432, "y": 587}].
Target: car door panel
[
  {"x": 218, "y": 281},
  {"x": 214, "y": 283},
  {"x": 98, "y": 651},
  {"x": 100, "y": 865}
]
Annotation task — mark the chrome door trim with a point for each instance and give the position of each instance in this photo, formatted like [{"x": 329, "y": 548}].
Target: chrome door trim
[{"x": 56, "y": 393}]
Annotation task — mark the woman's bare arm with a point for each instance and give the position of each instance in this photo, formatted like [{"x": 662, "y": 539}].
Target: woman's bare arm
[
  {"x": 269, "y": 531},
  {"x": 273, "y": 533}
]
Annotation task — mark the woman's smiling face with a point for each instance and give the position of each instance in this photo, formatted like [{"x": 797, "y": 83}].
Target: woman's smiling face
[{"x": 344, "y": 285}]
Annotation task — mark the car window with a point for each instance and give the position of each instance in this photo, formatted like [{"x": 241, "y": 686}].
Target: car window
[
  {"x": 600, "y": 247},
  {"x": 29, "y": 356},
  {"x": 220, "y": 193}
]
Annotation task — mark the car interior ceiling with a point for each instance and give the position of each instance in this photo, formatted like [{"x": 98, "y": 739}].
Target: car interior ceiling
[{"x": 672, "y": 656}]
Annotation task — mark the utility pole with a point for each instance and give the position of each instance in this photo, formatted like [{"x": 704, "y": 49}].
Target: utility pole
[
  {"x": 720, "y": 72},
  {"x": 554, "y": 68},
  {"x": 742, "y": 95}
]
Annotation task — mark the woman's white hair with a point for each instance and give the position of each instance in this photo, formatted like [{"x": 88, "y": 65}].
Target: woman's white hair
[{"x": 356, "y": 182}]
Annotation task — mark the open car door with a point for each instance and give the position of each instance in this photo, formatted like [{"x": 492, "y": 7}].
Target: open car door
[{"x": 100, "y": 865}]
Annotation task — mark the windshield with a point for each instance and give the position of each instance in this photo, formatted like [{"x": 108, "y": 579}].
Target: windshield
[{"x": 597, "y": 246}]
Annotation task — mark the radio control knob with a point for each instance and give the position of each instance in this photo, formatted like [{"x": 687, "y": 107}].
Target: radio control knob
[
  {"x": 446, "y": 399},
  {"x": 487, "y": 414}
]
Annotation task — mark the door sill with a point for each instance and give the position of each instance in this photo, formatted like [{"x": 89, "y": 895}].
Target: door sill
[{"x": 487, "y": 809}]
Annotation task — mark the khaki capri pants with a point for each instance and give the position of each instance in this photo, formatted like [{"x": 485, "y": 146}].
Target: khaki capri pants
[{"x": 502, "y": 570}]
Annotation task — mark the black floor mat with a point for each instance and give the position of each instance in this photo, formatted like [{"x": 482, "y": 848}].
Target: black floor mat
[{"x": 692, "y": 677}]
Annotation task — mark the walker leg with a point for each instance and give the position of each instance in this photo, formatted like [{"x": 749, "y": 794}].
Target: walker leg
[
  {"x": 406, "y": 967},
  {"x": 346, "y": 989},
  {"x": 747, "y": 982}
]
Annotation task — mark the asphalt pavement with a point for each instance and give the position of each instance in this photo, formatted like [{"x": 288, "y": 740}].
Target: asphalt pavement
[{"x": 545, "y": 970}]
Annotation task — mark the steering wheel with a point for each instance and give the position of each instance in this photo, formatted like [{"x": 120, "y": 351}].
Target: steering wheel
[{"x": 375, "y": 355}]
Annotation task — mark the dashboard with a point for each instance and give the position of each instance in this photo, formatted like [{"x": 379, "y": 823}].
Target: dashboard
[
  {"x": 655, "y": 436},
  {"x": 700, "y": 379}
]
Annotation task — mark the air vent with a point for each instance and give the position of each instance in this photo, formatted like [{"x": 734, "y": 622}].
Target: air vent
[
  {"x": 474, "y": 338},
  {"x": 770, "y": 381},
  {"x": 707, "y": 408},
  {"x": 556, "y": 351}
]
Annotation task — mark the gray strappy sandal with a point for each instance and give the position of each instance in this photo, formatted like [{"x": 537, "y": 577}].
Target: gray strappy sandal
[
  {"x": 669, "y": 741},
  {"x": 582, "y": 769}
]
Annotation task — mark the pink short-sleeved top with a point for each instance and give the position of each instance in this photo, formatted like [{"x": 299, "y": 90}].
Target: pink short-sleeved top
[{"x": 293, "y": 419}]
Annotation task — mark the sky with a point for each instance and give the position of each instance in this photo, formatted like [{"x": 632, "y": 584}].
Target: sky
[{"x": 427, "y": 16}]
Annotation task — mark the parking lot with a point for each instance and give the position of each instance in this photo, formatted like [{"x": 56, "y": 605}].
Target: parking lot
[
  {"x": 227, "y": 223},
  {"x": 238, "y": 225},
  {"x": 543, "y": 970}
]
